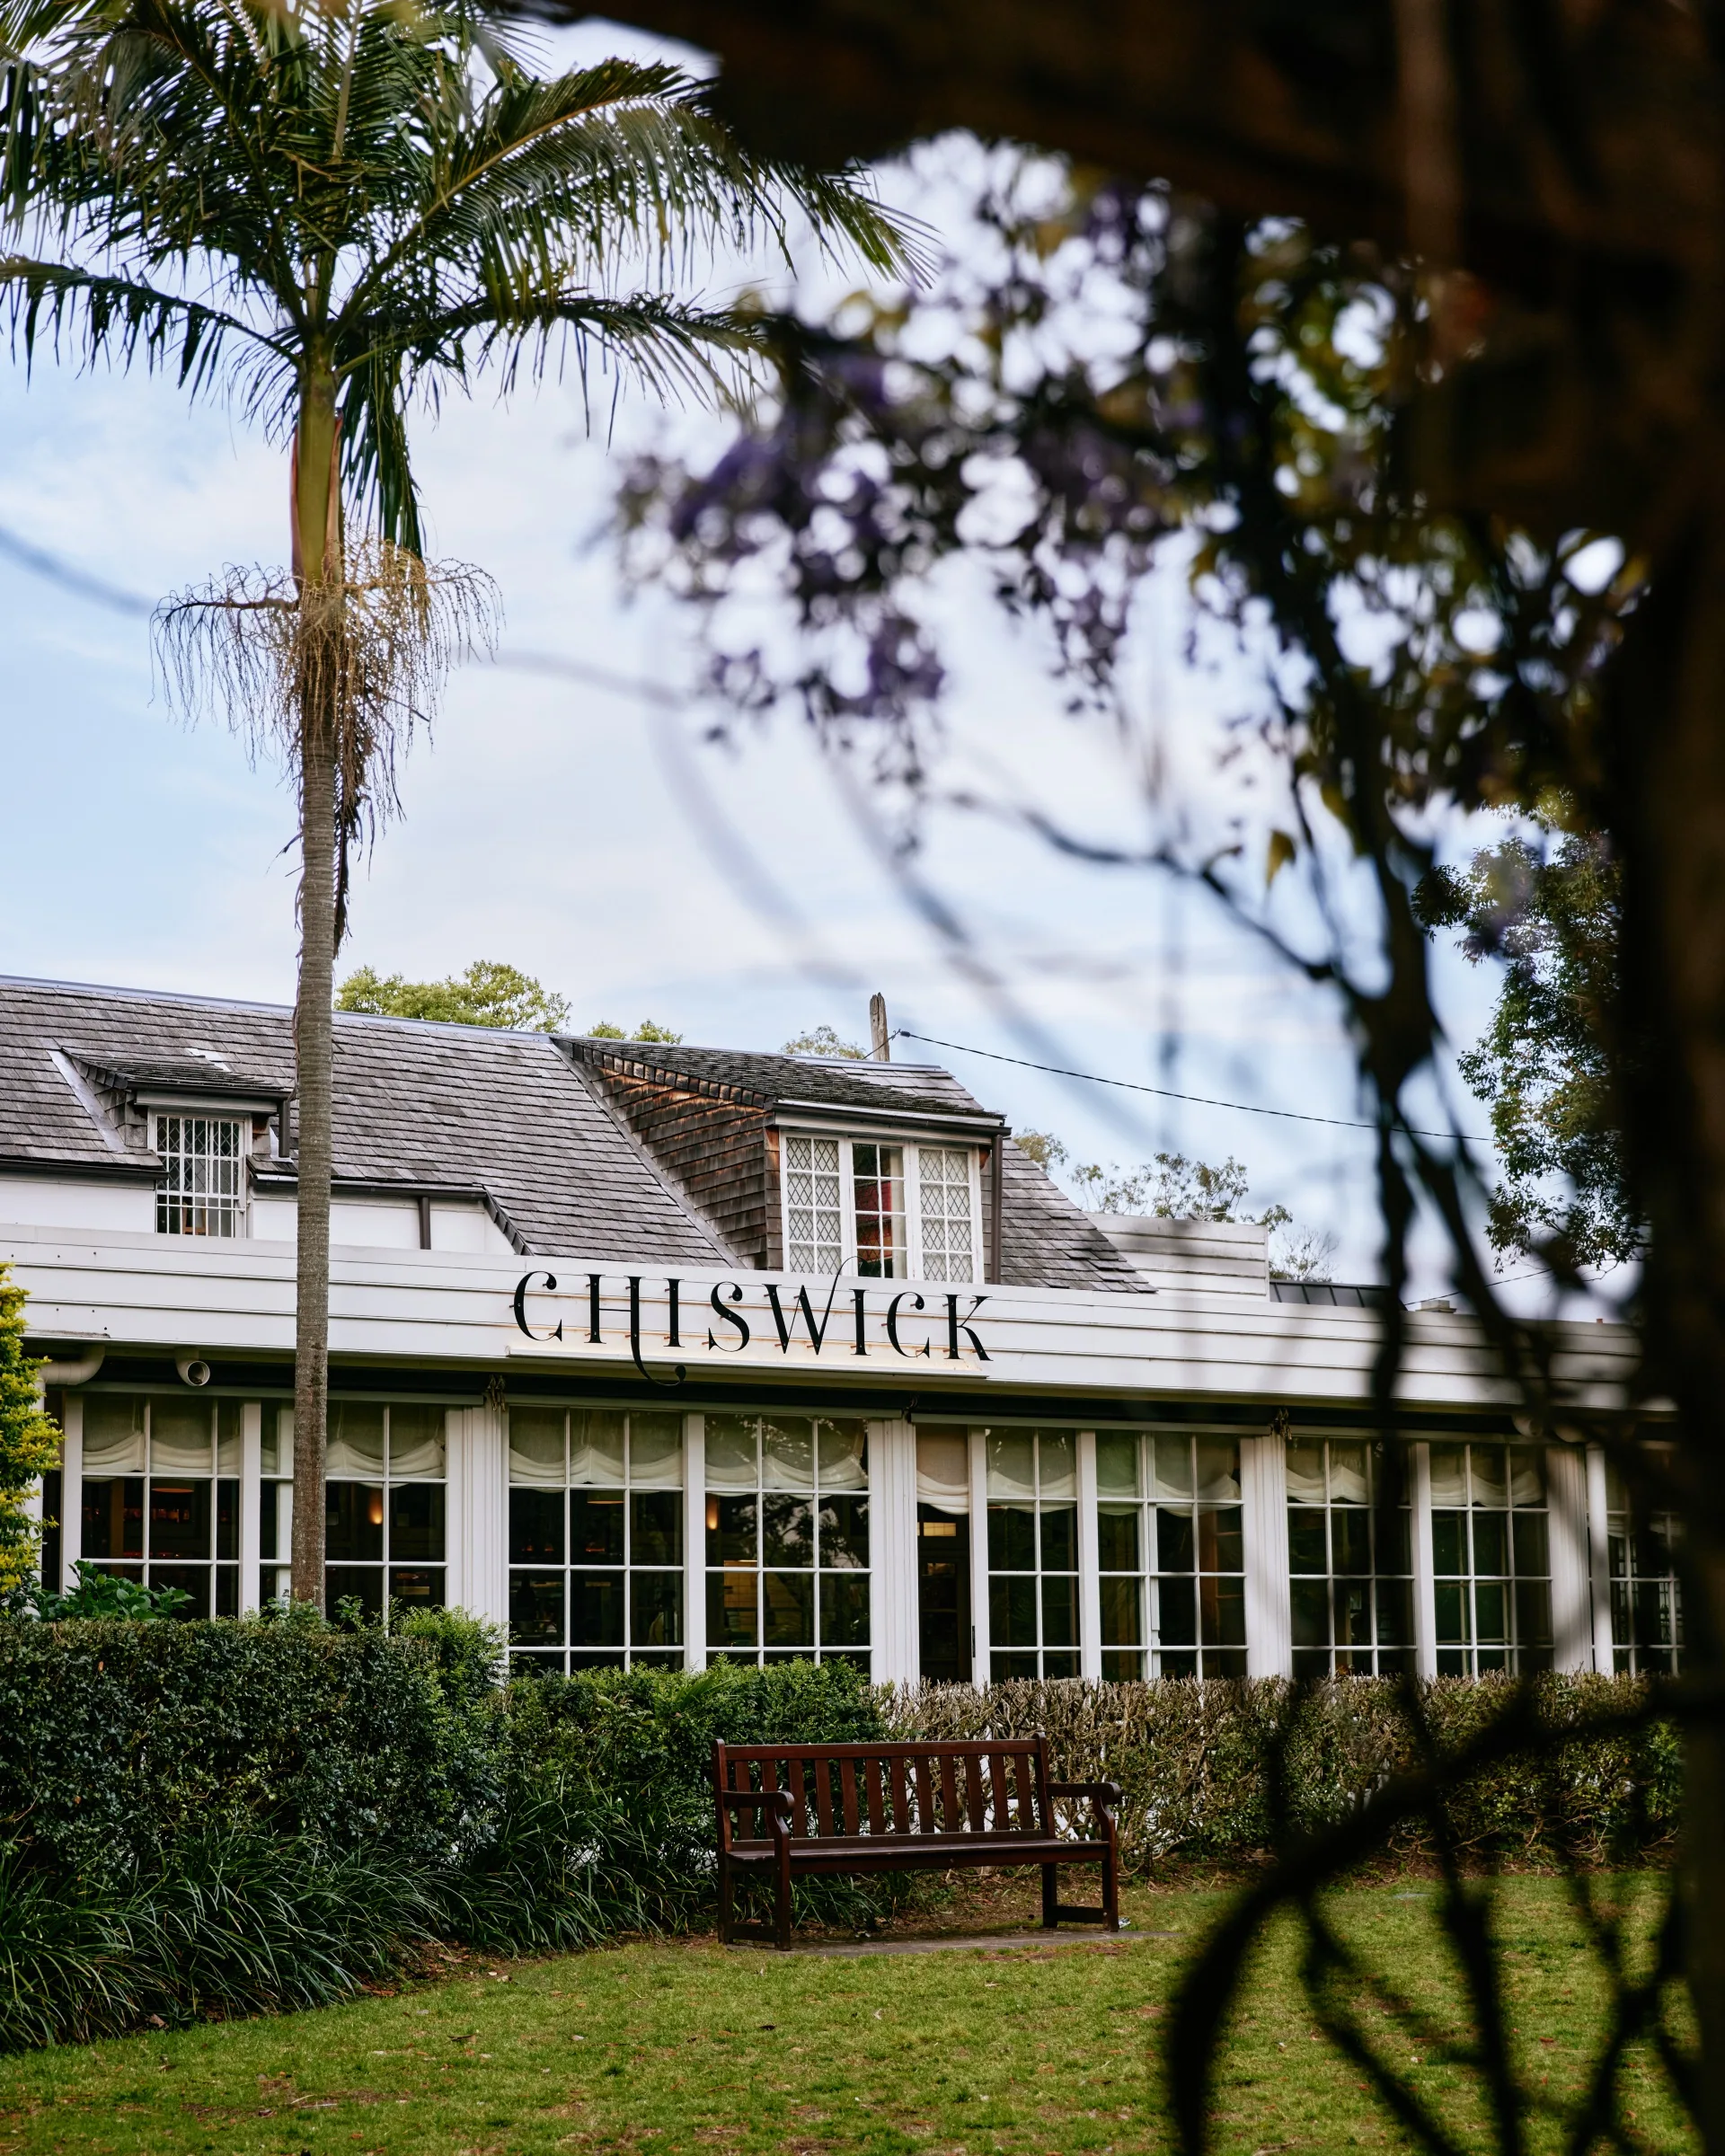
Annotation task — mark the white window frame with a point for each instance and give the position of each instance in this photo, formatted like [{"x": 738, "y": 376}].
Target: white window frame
[
  {"x": 911, "y": 1150},
  {"x": 205, "y": 1202}
]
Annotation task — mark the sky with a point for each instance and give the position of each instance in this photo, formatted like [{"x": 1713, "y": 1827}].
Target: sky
[{"x": 598, "y": 841}]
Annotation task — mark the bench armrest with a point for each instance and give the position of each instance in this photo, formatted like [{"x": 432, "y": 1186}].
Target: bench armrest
[
  {"x": 754, "y": 1801},
  {"x": 1106, "y": 1796}
]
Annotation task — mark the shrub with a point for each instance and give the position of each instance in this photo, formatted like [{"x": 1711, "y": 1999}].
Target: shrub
[{"x": 1194, "y": 1761}]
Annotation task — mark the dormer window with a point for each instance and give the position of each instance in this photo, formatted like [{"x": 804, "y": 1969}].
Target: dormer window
[
  {"x": 880, "y": 1210},
  {"x": 202, "y": 1190}
]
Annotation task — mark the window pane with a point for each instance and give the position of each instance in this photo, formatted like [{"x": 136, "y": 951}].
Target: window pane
[
  {"x": 1123, "y": 1617},
  {"x": 788, "y": 1600},
  {"x": 1305, "y": 1540},
  {"x": 595, "y": 1526},
  {"x": 1221, "y": 1547},
  {"x": 228, "y": 1436},
  {"x": 536, "y": 1437},
  {"x": 1449, "y": 1541},
  {"x": 878, "y": 1181},
  {"x": 535, "y": 1527},
  {"x": 1222, "y": 1611},
  {"x": 844, "y": 1610},
  {"x": 189, "y": 1579},
  {"x": 1449, "y": 1475},
  {"x": 183, "y": 1437},
  {"x": 656, "y": 1527},
  {"x": 1533, "y": 1551},
  {"x": 1176, "y": 1614},
  {"x": 655, "y": 1609},
  {"x": 1173, "y": 1540},
  {"x": 1306, "y": 1483},
  {"x": 1056, "y": 1463},
  {"x": 363, "y": 1584},
  {"x": 1059, "y": 1538},
  {"x": 596, "y": 1609},
  {"x": 416, "y": 1589},
  {"x": 732, "y": 1457},
  {"x": 1011, "y": 1456},
  {"x": 1059, "y": 1609},
  {"x": 812, "y": 1218},
  {"x": 113, "y": 1517},
  {"x": 1452, "y": 1611},
  {"x": 788, "y": 1455},
  {"x": 730, "y": 1530},
  {"x": 596, "y": 1446},
  {"x": 1311, "y": 1611},
  {"x": 537, "y": 1608},
  {"x": 113, "y": 1435},
  {"x": 1173, "y": 1467},
  {"x": 787, "y": 1530},
  {"x": 1012, "y": 1538},
  {"x": 355, "y": 1440},
  {"x": 1012, "y": 1612},
  {"x": 655, "y": 1451},
  {"x": 1349, "y": 1481},
  {"x": 353, "y": 1523},
  {"x": 1491, "y": 1474},
  {"x": 845, "y": 1456},
  {"x": 844, "y": 1534},
  {"x": 416, "y": 1523},
  {"x": 731, "y": 1619},
  {"x": 227, "y": 1519},
  {"x": 179, "y": 1519},
  {"x": 1218, "y": 1471},
  {"x": 1117, "y": 1537},
  {"x": 416, "y": 1442},
  {"x": 1351, "y": 1538},
  {"x": 1117, "y": 1465},
  {"x": 1491, "y": 1542}
]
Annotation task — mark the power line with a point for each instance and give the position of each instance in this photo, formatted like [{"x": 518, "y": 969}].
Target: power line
[
  {"x": 78, "y": 581},
  {"x": 1163, "y": 1093}
]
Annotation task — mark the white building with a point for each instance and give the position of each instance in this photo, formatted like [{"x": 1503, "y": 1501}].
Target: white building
[{"x": 657, "y": 1354}]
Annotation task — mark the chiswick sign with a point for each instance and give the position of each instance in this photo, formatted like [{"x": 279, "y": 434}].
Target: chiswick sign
[{"x": 657, "y": 1318}]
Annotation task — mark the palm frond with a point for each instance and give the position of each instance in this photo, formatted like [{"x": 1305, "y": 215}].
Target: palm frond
[{"x": 120, "y": 318}]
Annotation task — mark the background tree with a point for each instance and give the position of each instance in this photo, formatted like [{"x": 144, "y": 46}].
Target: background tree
[
  {"x": 824, "y": 1041},
  {"x": 30, "y": 1447},
  {"x": 489, "y": 994},
  {"x": 330, "y": 212},
  {"x": 646, "y": 1030},
  {"x": 1546, "y": 1066}
]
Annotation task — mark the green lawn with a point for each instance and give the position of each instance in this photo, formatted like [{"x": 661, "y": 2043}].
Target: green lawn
[{"x": 682, "y": 2045}]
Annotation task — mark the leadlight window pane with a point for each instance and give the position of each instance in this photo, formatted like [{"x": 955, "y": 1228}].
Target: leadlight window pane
[
  {"x": 596, "y": 1551},
  {"x": 813, "y": 1214},
  {"x": 1031, "y": 1481},
  {"x": 943, "y": 1195},
  {"x": 1490, "y": 1552},
  {"x": 1352, "y": 1602},
  {"x": 878, "y": 1189},
  {"x": 787, "y": 1505},
  {"x": 202, "y": 1190},
  {"x": 1173, "y": 1564}
]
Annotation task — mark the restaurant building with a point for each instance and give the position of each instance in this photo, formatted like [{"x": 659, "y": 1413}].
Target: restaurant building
[{"x": 658, "y": 1354}]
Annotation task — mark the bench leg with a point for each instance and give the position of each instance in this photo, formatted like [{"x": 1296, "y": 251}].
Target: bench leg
[
  {"x": 1111, "y": 1888},
  {"x": 1050, "y": 1898},
  {"x": 782, "y": 1897},
  {"x": 726, "y": 1912}
]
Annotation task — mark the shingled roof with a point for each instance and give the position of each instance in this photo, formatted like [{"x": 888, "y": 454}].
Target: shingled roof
[{"x": 514, "y": 1116}]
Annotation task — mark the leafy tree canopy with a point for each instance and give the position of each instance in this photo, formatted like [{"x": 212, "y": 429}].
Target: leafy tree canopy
[
  {"x": 30, "y": 1444},
  {"x": 489, "y": 994},
  {"x": 1549, "y": 908},
  {"x": 824, "y": 1041},
  {"x": 646, "y": 1030}
]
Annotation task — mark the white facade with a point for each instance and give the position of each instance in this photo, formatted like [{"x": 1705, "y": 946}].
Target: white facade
[{"x": 620, "y": 1461}]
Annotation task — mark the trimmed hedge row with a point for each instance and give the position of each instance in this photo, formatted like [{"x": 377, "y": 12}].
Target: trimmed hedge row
[
  {"x": 220, "y": 1817},
  {"x": 1195, "y": 1761}
]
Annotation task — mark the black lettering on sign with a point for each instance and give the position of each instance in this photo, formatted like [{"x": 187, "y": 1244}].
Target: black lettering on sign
[
  {"x": 593, "y": 1310},
  {"x": 788, "y": 1326},
  {"x": 857, "y": 1295},
  {"x": 634, "y": 1340},
  {"x": 915, "y": 1302},
  {"x": 521, "y": 1287},
  {"x": 733, "y": 1294},
  {"x": 955, "y": 1325}
]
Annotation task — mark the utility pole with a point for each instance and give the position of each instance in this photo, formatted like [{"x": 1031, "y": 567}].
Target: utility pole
[{"x": 881, "y": 1038}]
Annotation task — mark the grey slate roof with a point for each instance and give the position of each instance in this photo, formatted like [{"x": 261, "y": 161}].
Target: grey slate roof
[
  {"x": 770, "y": 1081},
  {"x": 511, "y": 1114},
  {"x": 415, "y": 1104}
]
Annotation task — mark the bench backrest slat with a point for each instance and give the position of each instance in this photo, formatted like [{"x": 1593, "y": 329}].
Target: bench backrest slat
[{"x": 888, "y": 1791}]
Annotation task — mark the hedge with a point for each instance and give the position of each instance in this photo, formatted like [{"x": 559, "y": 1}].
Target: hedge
[
  {"x": 1195, "y": 1761},
  {"x": 222, "y": 1817}
]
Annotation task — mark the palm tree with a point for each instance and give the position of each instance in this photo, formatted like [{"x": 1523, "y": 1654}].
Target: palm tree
[{"x": 331, "y": 210}]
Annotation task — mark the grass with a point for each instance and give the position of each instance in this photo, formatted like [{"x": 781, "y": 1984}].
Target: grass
[{"x": 679, "y": 2046}]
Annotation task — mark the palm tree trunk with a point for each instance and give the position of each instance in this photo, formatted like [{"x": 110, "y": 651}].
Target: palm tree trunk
[{"x": 315, "y": 517}]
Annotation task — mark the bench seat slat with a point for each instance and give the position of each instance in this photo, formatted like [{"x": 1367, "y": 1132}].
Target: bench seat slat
[
  {"x": 901, "y": 1798},
  {"x": 847, "y": 1790},
  {"x": 824, "y": 1795}
]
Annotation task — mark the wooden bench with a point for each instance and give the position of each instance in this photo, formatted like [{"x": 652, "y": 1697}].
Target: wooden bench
[{"x": 801, "y": 1811}]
